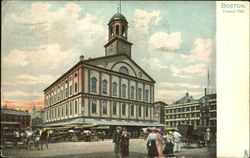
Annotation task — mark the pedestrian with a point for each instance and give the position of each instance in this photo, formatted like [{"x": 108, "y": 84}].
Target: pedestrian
[
  {"x": 169, "y": 143},
  {"x": 177, "y": 141},
  {"x": 125, "y": 143},
  {"x": 28, "y": 135},
  {"x": 16, "y": 138},
  {"x": 103, "y": 135},
  {"x": 44, "y": 138},
  {"x": 151, "y": 143},
  {"x": 37, "y": 138},
  {"x": 159, "y": 143},
  {"x": 117, "y": 141},
  {"x": 208, "y": 138}
]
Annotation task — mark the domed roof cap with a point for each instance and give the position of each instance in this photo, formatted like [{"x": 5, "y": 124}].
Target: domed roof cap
[{"x": 118, "y": 16}]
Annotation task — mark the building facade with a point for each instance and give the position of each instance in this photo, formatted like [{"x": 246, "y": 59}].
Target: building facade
[
  {"x": 160, "y": 111},
  {"x": 17, "y": 118},
  {"x": 200, "y": 113},
  {"x": 112, "y": 88}
]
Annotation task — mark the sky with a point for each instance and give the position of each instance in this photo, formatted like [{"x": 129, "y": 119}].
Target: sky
[{"x": 174, "y": 42}]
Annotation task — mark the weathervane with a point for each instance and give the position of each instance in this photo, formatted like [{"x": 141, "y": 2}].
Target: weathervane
[{"x": 119, "y": 7}]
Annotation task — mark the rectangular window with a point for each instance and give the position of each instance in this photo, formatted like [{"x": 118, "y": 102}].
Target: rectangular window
[
  {"x": 114, "y": 108},
  {"x": 104, "y": 108},
  {"x": 66, "y": 92},
  {"x": 93, "y": 106},
  {"x": 70, "y": 108},
  {"x": 66, "y": 109},
  {"x": 132, "y": 110},
  {"x": 123, "y": 109},
  {"x": 132, "y": 92},
  {"x": 76, "y": 105},
  {"x": 76, "y": 88},
  {"x": 70, "y": 90}
]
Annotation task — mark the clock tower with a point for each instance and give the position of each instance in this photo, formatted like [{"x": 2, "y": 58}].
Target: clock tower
[{"x": 118, "y": 35}]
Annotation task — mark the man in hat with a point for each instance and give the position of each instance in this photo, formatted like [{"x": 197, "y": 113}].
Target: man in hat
[
  {"x": 125, "y": 143},
  {"x": 208, "y": 138},
  {"x": 16, "y": 138},
  {"x": 117, "y": 140},
  {"x": 177, "y": 141}
]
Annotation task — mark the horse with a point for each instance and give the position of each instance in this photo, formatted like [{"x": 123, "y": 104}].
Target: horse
[{"x": 44, "y": 138}]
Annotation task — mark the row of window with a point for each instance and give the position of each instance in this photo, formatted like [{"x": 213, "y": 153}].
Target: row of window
[
  {"x": 58, "y": 95},
  {"x": 185, "y": 109},
  {"x": 115, "y": 90},
  {"x": 63, "y": 110},
  {"x": 192, "y": 122},
  {"x": 132, "y": 107},
  {"x": 197, "y": 114}
]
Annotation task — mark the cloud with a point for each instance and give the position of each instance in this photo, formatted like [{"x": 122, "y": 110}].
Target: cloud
[
  {"x": 189, "y": 71},
  {"x": 48, "y": 56},
  {"x": 64, "y": 26},
  {"x": 161, "y": 41},
  {"x": 182, "y": 85},
  {"x": 24, "y": 105},
  {"x": 142, "y": 18},
  {"x": 140, "y": 24},
  {"x": 155, "y": 63},
  {"x": 21, "y": 94},
  {"x": 16, "y": 57},
  {"x": 201, "y": 51},
  {"x": 27, "y": 79}
]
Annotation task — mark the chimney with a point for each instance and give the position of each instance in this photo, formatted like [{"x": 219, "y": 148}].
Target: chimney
[
  {"x": 205, "y": 91},
  {"x": 187, "y": 94},
  {"x": 81, "y": 57}
]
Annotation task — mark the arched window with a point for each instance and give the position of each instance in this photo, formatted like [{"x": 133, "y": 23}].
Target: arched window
[
  {"x": 117, "y": 29},
  {"x": 139, "y": 111},
  {"x": 93, "y": 84},
  {"x": 114, "y": 108},
  {"x": 132, "y": 92},
  {"x": 146, "y": 111},
  {"x": 146, "y": 95},
  {"x": 104, "y": 108},
  {"x": 114, "y": 85},
  {"x": 104, "y": 86},
  {"x": 139, "y": 93},
  {"x": 123, "y": 30},
  {"x": 124, "y": 90},
  {"x": 93, "y": 106},
  {"x": 123, "y": 109},
  {"x": 111, "y": 31},
  {"x": 123, "y": 70},
  {"x": 132, "y": 110}
]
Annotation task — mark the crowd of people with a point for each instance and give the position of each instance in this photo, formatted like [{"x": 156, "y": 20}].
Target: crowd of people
[{"x": 155, "y": 141}]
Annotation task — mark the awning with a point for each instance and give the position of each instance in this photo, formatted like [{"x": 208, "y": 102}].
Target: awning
[
  {"x": 108, "y": 122},
  {"x": 116, "y": 122}
]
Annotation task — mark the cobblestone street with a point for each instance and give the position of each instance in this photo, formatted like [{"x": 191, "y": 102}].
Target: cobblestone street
[{"x": 101, "y": 149}]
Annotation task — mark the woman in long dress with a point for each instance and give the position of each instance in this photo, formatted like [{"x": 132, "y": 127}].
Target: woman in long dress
[
  {"x": 151, "y": 144},
  {"x": 125, "y": 143},
  {"x": 159, "y": 144}
]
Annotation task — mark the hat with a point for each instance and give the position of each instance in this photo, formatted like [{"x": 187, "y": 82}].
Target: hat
[
  {"x": 170, "y": 132},
  {"x": 118, "y": 128},
  {"x": 208, "y": 129},
  {"x": 153, "y": 129}
]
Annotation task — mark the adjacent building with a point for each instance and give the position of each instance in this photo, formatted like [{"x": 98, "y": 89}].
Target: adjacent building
[
  {"x": 160, "y": 111},
  {"x": 37, "y": 117},
  {"x": 200, "y": 113},
  {"x": 111, "y": 90},
  {"x": 11, "y": 118}
]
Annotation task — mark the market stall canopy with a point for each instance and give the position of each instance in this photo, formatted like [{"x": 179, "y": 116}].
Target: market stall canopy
[{"x": 91, "y": 122}]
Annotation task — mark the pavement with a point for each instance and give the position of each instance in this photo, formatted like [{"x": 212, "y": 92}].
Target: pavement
[{"x": 101, "y": 149}]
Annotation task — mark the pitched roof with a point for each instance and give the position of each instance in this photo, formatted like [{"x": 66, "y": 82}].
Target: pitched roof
[
  {"x": 13, "y": 112},
  {"x": 185, "y": 99}
]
